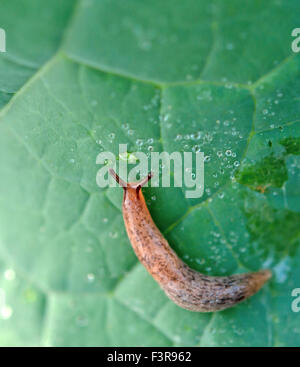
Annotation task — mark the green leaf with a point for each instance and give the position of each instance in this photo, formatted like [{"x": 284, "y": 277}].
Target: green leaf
[
  {"x": 34, "y": 32},
  {"x": 161, "y": 76},
  {"x": 22, "y": 309}
]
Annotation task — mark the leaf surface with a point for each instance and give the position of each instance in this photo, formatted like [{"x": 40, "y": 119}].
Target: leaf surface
[{"x": 162, "y": 76}]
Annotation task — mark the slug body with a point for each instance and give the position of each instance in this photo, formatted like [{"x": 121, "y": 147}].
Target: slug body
[{"x": 186, "y": 287}]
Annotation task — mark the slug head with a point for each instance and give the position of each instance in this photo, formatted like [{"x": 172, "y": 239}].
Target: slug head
[{"x": 131, "y": 188}]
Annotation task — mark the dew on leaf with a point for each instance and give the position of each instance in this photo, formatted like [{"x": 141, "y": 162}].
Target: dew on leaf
[
  {"x": 196, "y": 148},
  {"x": 178, "y": 137},
  {"x": 90, "y": 277},
  {"x": 9, "y": 274},
  {"x": 6, "y": 312},
  {"x": 113, "y": 234},
  {"x": 139, "y": 142}
]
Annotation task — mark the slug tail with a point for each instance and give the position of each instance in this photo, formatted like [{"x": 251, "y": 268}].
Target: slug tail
[{"x": 257, "y": 280}]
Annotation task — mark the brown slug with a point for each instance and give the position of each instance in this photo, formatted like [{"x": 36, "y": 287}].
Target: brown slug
[{"x": 186, "y": 287}]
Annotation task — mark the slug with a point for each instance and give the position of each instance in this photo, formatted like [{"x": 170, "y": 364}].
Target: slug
[{"x": 186, "y": 287}]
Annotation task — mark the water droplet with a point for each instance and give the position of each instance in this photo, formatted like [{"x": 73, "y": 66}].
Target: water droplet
[
  {"x": 113, "y": 234},
  {"x": 90, "y": 277},
  {"x": 196, "y": 148},
  {"x": 139, "y": 142},
  {"x": 6, "y": 312},
  {"x": 9, "y": 274},
  {"x": 178, "y": 137},
  {"x": 208, "y": 191},
  {"x": 196, "y": 135}
]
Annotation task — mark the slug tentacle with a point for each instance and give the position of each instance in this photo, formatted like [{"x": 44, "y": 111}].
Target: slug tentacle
[{"x": 186, "y": 287}]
